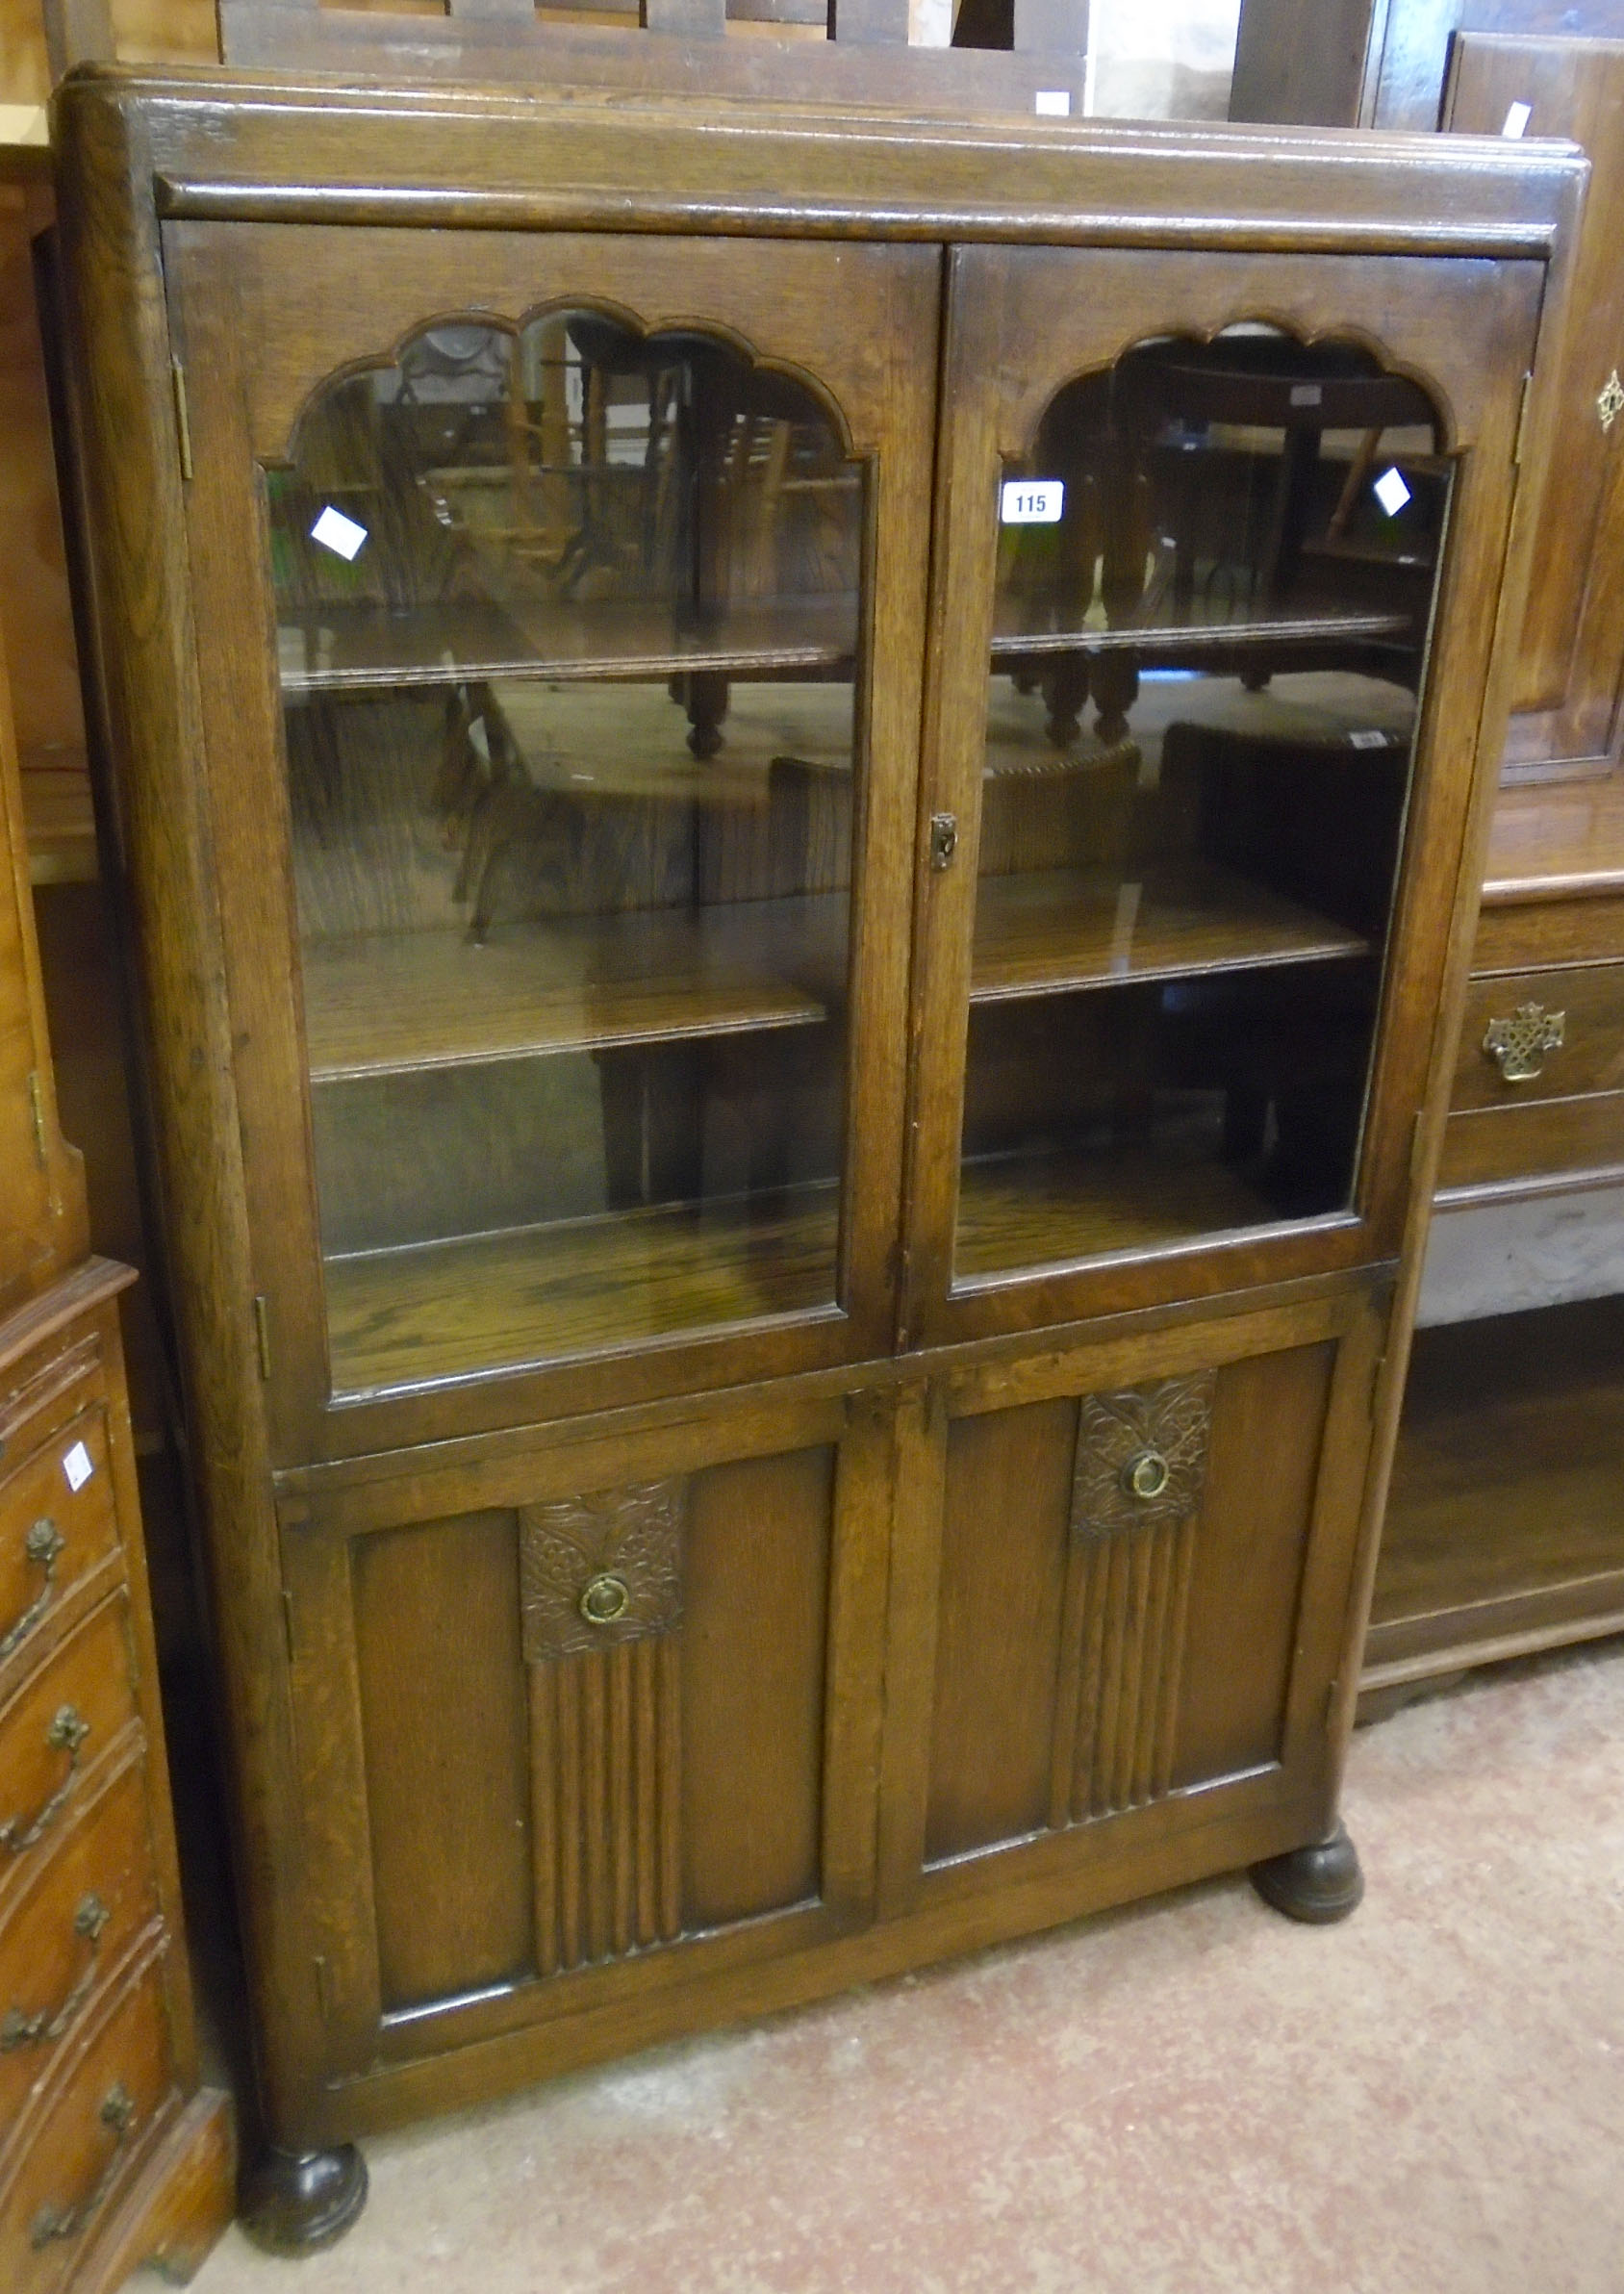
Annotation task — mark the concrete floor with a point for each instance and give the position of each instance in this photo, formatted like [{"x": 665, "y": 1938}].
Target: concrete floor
[{"x": 1188, "y": 2098}]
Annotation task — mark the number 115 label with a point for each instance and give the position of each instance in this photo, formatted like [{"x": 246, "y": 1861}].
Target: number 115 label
[{"x": 1032, "y": 502}]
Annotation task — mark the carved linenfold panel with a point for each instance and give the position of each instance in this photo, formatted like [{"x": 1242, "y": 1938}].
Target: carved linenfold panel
[
  {"x": 1141, "y": 1456},
  {"x": 602, "y": 1569},
  {"x": 600, "y": 1584},
  {"x": 1141, "y": 1465}
]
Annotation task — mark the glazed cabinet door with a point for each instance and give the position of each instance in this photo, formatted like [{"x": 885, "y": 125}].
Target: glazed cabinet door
[
  {"x": 1120, "y": 1600},
  {"x": 1219, "y": 541},
  {"x": 582, "y": 1728},
  {"x": 559, "y": 606}
]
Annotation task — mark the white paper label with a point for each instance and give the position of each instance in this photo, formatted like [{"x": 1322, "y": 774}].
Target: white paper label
[
  {"x": 1370, "y": 740},
  {"x": 77, "y": 1466},
  {"x": 1052, "y": 103},
  {"x": 1305, "y": 394},
  {"x": 1032, "y": 502},
  {"x": 1391, "y": 492},
  {"x": 338, "y": 533},
  {"x": 1516, "y": 121}
]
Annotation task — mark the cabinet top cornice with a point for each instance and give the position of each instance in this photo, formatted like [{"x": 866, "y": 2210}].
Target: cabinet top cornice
[{"x": 211, "y": 143}]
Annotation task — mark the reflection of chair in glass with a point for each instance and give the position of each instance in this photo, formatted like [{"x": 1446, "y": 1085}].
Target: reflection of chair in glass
[{"x": 1203, "y": 526}]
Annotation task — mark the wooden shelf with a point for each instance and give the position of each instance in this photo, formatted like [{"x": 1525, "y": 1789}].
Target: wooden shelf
[
  {"x": 1020, "y": 1211},
  {"x": 382, "y": 1004},
  {"x": 1043, "y": 932},
  {"x": 363, "y": 648},
  {"x": 1205, "y": 631},
  {"x": 452, "y": 1309},
  {"x": 1506, "y": 1480}
]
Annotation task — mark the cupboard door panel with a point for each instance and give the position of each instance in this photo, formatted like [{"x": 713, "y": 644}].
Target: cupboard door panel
[
  {"x": 587, "y": 1722},
  {"x": 756, "y": 1598},
  {"x": 1121, "y": 1576},
  {"x": 442, "y": 1689},
  {"x": 997, "y": 1633},
  {"x": 1247, "y": 1567}
]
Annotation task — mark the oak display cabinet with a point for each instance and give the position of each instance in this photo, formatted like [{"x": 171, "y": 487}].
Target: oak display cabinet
[{"x": 793, "y": 861}]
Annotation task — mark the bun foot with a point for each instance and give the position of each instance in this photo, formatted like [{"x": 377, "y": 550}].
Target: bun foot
[
  {"x": 293, "y": 2201},
  {"x": 1316, "y": 1884}
]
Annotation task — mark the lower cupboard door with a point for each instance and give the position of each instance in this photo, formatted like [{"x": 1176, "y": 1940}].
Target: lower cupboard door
[
  {"x": 581, "y": 1732},
  {"x": 1141, "y": 1588}
]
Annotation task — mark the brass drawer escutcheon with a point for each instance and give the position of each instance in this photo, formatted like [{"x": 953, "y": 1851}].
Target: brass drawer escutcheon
[
  {"x": 18, "y": 2029},
  {"x": 1609, "y": 400},
  {"x": 44, "y": 1546},
  {"x": 66, "y": 1733},
  {"x": 118, "y": 2112},
  {"x": 1518, "y": 1042}
]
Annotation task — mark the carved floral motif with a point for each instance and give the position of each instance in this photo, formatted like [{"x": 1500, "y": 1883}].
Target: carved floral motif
[
  {"x": 602, "y": 1569},
  {"x": 1141, "y": 1455}
]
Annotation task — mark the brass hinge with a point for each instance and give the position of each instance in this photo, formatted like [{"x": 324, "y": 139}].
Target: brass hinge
[
  {"x": 183, "y": 420},
  {"x": 36, "y": 1114},
  {"x": 1522, "y": 422},
  {"x": 262, "y": 1333},
  {"x": 288, "y": 1622}
]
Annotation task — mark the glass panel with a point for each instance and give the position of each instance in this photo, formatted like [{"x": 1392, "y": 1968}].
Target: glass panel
[
  {"x": 568, "y": 625},
  {"x": 1215, "y": 579}
]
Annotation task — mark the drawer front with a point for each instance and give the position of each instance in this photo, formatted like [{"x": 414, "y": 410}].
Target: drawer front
[
  {"x": 1520, "y": 937},
  {"x": 89, "y": 2135},
  {"x": 57, "y": 1522},
  {"x": 1567, "y": 1027},
  {"x": 54, "y": 1731},
  {"x": 85, "y": 1900},
  {"x": 1540, "y": 1140}
]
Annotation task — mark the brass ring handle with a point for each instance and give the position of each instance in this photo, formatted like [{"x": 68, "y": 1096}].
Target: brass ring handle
[
  {"x": 1147, "y": 1475},
  {"x": 18, "y": 2029},
  {"x": 43, "y": 1546},
  {"x": 65, "y": 1734},
  {"x": 605, "y": 1599},
  {"x": 118, "y": 2112},
  {"x": 1518, "y": 1040}
]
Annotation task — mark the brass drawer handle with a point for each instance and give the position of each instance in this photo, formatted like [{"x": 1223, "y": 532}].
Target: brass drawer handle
[
  {"x": 66, "y": 1734},
  {"x": 118, "y": 2112},
  {"x": 1609, "y": 400},
  {"x": 42, "y": 2027},
  {"x": 605, "y": 1599},
  {"x": 1518, "y": 1042},
  {"x": 1147, "y": 1475},
  {"x": 43, "y": 1545}
]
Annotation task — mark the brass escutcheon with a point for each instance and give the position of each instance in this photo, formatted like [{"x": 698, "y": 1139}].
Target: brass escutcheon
[
  {"x": 605, "y": 1599},
  {"x": 1148, "y": 1474},
  {"x": 1609, "y": 400}
]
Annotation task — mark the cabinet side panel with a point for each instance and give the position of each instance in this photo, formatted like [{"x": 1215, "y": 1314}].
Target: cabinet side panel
[
  {"x": 1574, "y": 627},
  {"x": 442, "y": 1697},
  {"x": 1006, "y": 1526},
  {"x": 1268, "y": 1418},
  {"x": 755, "y": 1604}
]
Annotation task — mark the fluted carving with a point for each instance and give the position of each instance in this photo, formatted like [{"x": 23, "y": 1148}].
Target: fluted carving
[
  {"x": 602, "y": 1594},
  {"x": 1141, "y": 1466}
]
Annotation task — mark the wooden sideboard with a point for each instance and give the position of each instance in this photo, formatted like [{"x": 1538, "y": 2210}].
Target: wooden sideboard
[
  {"x": 791, "y": 866},
  {"x": 111, "y": 2155},
  {"x": 1505, "y": 1529}
]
